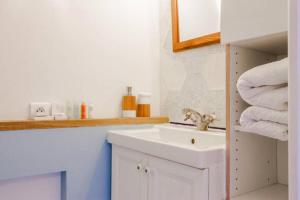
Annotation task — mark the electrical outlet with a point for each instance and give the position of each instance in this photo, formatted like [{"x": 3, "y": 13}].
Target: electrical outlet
[{"x": 40, "y": 110}]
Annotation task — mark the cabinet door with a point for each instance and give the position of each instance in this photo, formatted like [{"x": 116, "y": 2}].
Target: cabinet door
[
  {"x": 128, "y": 177},
  {"x": 172, "y": 181}
]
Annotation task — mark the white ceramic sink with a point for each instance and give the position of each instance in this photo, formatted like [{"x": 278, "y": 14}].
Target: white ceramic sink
[{"x": 188, "y": 146}]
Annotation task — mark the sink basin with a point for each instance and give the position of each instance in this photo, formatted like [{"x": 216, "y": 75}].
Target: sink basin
[{"x": 188, "y": 146}]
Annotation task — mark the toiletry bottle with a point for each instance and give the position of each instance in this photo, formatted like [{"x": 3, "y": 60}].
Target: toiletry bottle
[
  {"x": 69, "y": 109},
  {"x": 76, "y": 110},
  {"x": 83, "y": 111},
  {"x": 143, "y": 107},
  {"x": 129, "y": 104},
  {"x": 91, "y": 111}
]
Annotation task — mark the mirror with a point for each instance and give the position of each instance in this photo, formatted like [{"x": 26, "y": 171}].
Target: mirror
[{"x": 195, "y": 23}]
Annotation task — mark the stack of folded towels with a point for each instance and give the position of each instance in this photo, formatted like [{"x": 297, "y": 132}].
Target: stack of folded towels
[{"x": 265, "y": 88}]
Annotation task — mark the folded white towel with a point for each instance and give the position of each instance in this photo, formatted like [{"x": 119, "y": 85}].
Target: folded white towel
[
  {"x": 266, "y": 85},
  {"x": 266, "y": 122}
]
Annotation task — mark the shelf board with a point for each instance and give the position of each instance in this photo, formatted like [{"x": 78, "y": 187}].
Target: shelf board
[
  {"x": 242, "y": 130},
  {"x": 273, "y": 192},
  {"x": 30, "y": 124},
  {"x": 274, "y": 43}
]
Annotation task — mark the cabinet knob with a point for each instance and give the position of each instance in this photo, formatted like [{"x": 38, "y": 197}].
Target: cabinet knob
[
  {"x": 147, "y": 170},
  {"x": 139, "y": 167}
]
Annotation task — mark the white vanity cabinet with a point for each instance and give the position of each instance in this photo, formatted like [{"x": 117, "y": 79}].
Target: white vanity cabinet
[
  {"x": 172, "y": 181},
  {"x": 128, "y": 177},
  {"x": 138, "y": 176}
]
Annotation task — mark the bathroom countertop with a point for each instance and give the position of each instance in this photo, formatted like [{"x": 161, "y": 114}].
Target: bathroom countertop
[{"x": 30, "y": 124}]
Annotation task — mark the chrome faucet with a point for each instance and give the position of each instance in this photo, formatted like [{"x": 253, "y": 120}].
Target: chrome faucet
[{"x": 201, "y": 121}]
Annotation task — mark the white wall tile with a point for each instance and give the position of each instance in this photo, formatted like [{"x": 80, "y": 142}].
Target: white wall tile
[{"x": 192, "y": 78}]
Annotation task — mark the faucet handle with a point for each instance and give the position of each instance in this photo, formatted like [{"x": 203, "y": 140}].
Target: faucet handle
[
  {"x": 188, "y": 116},
  {"x": 188, "y": 113},
  {"x": 213, "y": 115}
]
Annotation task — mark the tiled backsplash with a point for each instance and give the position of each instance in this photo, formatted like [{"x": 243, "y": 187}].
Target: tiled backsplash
[{"x": 192, "y": 78}]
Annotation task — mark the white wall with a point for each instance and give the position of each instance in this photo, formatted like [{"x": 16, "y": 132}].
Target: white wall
[
  {"x": 45, "y": 187},
  {"x": 59, "y": 50}
]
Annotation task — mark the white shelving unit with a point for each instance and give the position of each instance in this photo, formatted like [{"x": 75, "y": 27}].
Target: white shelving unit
[
  {"x": 257, "y": 166},
  {"x": 240, "y": 28},
  {"x": 243, "y": 20},
  {"x": 294, "y": 96}
]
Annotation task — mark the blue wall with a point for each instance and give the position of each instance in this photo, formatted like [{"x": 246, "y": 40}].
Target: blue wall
[{"x": 82, "y": 155}]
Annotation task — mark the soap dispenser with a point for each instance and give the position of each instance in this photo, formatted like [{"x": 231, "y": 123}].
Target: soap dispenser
[{"x": 129, "y": 104}]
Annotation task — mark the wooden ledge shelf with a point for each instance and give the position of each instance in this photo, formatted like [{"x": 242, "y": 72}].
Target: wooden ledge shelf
[{"x": 30, "y": 124}]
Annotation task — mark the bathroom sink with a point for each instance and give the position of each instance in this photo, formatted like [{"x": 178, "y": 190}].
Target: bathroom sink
[{"x": 188, "y": 146}]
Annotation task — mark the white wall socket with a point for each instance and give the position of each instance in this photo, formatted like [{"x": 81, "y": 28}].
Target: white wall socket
[{"x": 40, "y": 110}]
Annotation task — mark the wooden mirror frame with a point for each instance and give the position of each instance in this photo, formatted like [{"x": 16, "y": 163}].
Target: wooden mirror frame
[{"x": 178, "y": 45}]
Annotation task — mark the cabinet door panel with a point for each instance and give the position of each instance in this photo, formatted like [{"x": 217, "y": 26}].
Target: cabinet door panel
[
  {"x": 128, "y": 182},
  {"x": 172, "y": 181}
]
